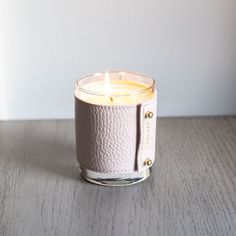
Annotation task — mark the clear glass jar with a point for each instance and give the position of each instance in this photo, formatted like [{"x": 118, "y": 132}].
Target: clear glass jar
[{"x": 114, "y": 88}]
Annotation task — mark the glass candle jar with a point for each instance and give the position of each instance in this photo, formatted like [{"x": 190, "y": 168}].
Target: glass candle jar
[{"x": 115, "y": 117}]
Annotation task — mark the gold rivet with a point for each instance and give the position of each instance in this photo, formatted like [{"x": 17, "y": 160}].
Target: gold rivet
[
  {"x": 149, "y": 114},
  {"x": 148, "y": 162}
]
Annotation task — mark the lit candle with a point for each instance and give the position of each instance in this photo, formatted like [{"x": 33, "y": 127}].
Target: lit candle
[
  {"x": 115, "y": 127},
  {"x": 115, "y": 88}
]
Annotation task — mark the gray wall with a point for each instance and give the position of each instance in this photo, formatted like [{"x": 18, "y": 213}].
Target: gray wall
[{"x": 189, "y": 46}]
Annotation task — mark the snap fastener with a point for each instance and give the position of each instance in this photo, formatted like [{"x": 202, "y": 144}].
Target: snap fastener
[
  {"x": 149, "y": 114},
  {"x": 148, "y": 162}
]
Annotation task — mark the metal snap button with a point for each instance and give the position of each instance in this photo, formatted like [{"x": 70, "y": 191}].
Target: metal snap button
[
  {"x": 148, "y": 162},
  {"x": 149, "y": 114}
]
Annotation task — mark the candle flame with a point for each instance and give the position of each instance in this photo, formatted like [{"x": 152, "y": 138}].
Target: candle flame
[{"x": 107, "y": 87}]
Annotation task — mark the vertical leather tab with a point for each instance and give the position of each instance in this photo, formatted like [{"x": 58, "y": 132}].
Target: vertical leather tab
[{"x": 147, "y": 133}]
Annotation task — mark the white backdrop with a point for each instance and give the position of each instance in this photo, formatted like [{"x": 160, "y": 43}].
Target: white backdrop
[{"x": 189, "y": 46}]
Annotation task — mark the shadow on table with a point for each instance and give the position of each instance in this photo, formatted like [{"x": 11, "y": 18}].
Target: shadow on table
[{"x": 49, "y": 149}]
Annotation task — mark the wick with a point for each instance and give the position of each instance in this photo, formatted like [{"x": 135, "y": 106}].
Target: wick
[{"x": 111, "y": 99}]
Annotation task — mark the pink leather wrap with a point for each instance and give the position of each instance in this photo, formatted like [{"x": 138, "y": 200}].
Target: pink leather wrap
[{"x": 115, "y": 139}]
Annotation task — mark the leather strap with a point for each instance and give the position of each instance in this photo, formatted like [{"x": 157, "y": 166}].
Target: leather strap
[{"x": 115, "y": 139}]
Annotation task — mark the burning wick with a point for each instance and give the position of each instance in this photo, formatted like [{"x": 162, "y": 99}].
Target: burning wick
[{"x": 107, "y": 87}]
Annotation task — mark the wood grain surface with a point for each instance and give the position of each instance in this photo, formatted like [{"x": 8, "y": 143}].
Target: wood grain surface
[{"x": 192, "y": 190}]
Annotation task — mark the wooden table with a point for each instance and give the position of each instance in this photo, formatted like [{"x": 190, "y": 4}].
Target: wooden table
[{"x": 192, "y": 190}]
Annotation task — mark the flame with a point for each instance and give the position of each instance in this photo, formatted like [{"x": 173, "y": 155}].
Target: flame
[{"x": 107, "y": 86}]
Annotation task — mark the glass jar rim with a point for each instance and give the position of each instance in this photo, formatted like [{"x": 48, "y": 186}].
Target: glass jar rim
[{"x": 137, "y": 92}]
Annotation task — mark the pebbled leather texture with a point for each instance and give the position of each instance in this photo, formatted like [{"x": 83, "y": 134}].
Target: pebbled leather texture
[{"x": 115, "y": 139}]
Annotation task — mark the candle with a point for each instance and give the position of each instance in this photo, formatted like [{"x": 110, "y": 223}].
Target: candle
[
  {"x": 115, "y": 127},
  {"x": 115, "y": 88}
]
